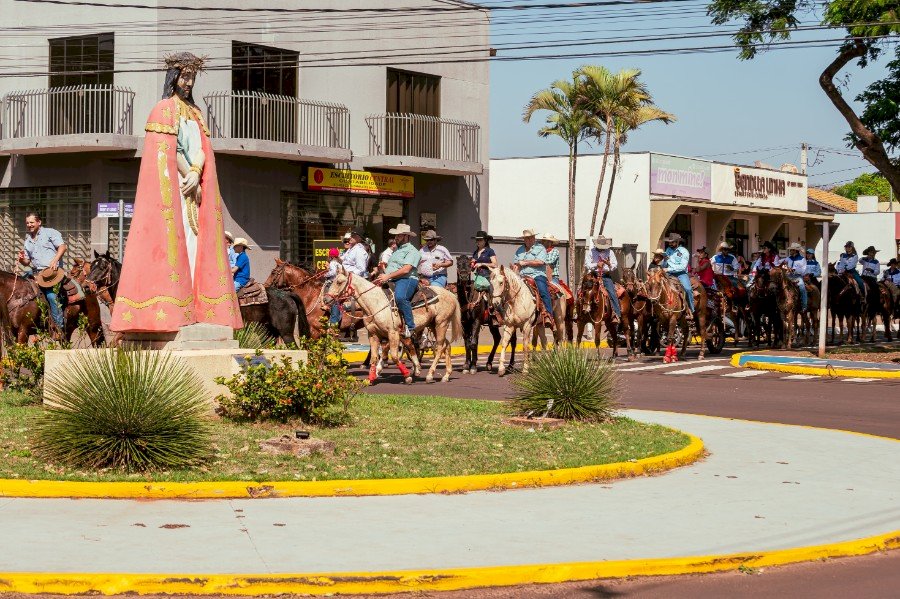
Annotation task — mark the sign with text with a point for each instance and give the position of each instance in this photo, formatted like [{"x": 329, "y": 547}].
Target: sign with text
[
  {"x": 111, "y": 210},
  {"x": 320, "y": 251},
  {"x": 360, "y": 182},
  {"x": 681, "y": 177},
  {"x": 744, "y": 185}
]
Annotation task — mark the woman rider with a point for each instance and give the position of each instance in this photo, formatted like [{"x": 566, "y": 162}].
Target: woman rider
[{"x": 484, "y": 255}]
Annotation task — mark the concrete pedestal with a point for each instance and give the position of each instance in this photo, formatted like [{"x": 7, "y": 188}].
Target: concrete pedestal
[{"x": 196, "y": 336}]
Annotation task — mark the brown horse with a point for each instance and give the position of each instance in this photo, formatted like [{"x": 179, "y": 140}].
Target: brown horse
[
  {"x": 594, "y": 306},
  {"x": 809, "y": 320},
  {"x": 879, "y": 302},
  {"x": 787, "y": 299},
  {"x": 637, "y": 311},
  {"x": 736, "y": 302},
  {"x": 844, "y": 301},
  {"x": 670, "y": 307}
]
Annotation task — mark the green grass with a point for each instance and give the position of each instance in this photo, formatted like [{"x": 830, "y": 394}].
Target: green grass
[{"x": 390, "y": 437}]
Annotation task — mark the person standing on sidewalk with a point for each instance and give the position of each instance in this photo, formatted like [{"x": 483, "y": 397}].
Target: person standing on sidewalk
[
  {"x": 402, "y": 268},
  {"x": 43, "y": 251}
]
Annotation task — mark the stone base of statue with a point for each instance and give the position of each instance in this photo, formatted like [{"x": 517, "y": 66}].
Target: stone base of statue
[{"x": 200, "y": 336}]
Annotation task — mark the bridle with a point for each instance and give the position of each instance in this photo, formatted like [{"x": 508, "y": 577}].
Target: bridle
[
  {"x": 279, "y": 274},
  {"x": 106, "y": 280},
  {"x": 664, "y": 289},
  {"x": 350, "y": 292}
]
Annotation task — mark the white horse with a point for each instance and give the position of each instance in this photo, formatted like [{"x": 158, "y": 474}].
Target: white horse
[
  {"x": 384, "y": 323},
  {"x": 513, "y": 297}
]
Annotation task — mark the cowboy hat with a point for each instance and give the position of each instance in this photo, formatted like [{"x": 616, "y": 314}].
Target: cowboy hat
[
  {"x": 483, "y": 235},
  {"x": 50, "y": 278},
  {"x": 702, "y": 248},
  {"x": 528, "y": 233},
  {"x": 659, "y": 252},
  {"x": 430, "y": 234},
  {"x": 871, "y": 248},
  {"x": 229, "y": 236},
  {"x": 602, "y": 243},
  {"x": 548, "y": 237},
  {"x": 725, "y": 245},
  {"x": 796, "y": 246},
  {"x": 769, "y": 244},
  {"x": 810, "y": 250},
  {"x": 892, "y": 262},
  {"x": 400, "y": 229},
  {"x": 673, "y": 237},
  {"x": 241, "y": 241},
  {"x": 849, "y": 244}
]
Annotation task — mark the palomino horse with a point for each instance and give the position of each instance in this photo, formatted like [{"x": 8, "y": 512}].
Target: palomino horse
[
  {"x": 441, "y": 318},
  {"x": 845, "y": 304},
  {"x": 518, "y": 305},
  {"x": 638, "y": 311},
  {"x": 670, "y": 308},
  {"x": 879, "y": 302},
  {"x": 475, "y": 314},
  {"x": 594, "y": 306}
]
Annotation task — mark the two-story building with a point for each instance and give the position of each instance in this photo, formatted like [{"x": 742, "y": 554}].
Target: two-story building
[{"x": 365, "y": 116}]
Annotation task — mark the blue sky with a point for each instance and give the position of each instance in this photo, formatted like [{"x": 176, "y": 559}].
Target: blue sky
[{"x": 724, "y": 105}]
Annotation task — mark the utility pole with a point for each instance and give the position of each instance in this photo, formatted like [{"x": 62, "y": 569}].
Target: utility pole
[{"x": 804, "y": 150}]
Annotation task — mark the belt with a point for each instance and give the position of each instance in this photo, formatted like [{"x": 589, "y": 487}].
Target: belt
[{"x": 678, "y": 273}]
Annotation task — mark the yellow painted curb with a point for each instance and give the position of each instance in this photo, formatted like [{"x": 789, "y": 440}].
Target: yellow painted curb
[
  {"x": 425, "y": 580},
  {"x": 824, "y": 371},
  {"x": 351, "y": 488}
]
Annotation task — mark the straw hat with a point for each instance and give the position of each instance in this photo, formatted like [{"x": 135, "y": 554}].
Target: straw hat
[
  {"x": 243, "y": 242},
  {"x": 229, "y": 236},
  {"x": 528, "y": 233},
  {"x": 50, "y": 278},
  {"x": 796, "y": 246},
  {"x": 549, "y": 237},
  {"x": 725, "y": 245},
  {"x": 400, "y": 229},
  {"x": 659, "y": 252},
  {"x": 602, "y": 243},
  {"x": 431, "y": 234},
  {"x": 673, "y": 237}
]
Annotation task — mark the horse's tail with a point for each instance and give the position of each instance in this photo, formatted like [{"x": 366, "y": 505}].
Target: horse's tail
[
  {"x": 6, "y": 334},
  {"x": 456, "y": 328},
  {"x": 302, "y": 322}
]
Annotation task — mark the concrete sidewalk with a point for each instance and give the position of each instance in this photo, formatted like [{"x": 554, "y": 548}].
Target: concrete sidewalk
[{"x": 764, "y": 487}]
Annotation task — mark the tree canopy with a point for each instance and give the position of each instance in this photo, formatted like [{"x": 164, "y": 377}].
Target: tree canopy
[{"x": 867, "y": 184}]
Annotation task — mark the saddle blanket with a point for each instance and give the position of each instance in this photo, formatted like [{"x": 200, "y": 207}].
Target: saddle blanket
[{"x": 253, "y": 293}]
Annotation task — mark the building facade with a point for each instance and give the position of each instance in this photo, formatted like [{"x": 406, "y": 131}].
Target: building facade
[
  {"x": 321, "y": 121},
  {"x": 653, "y": 195}
]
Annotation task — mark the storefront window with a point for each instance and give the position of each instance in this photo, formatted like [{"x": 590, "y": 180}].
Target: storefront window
[
  {"x": 306, "y": 217},
  {"x": 781, "y": 238},
  {"x": 737, "y": 234}
]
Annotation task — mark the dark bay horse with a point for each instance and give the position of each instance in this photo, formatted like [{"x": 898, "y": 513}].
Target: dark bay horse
[
  {"x": 638, "y": 311},
  {"x": 475, "y": 314},
  {"x": 845, "y": 303},
  {"x": 879, "y": 302},
  {"x": 762, "y": 310}
]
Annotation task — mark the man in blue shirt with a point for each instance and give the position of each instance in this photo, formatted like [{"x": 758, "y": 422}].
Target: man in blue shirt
[
  {"x": 531, "y": 263},
  {"x": 44, "y": 248},
  {"x": 677, "y": 265},
  {"x": 402, "y": 267},
  {"x": 232, "y": 256},
  {"x": 241, "y": 263},
  {"x": 797, "y": 265},
  {"x": 724, "y": 263}
]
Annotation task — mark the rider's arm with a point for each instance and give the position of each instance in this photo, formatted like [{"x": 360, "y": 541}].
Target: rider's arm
[
  {"x": 589, "y": 263},
  {"x": 611, "y": 264}
]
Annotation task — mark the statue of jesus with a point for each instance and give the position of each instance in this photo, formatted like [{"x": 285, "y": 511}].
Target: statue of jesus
[{"x": 176, "y": 271}]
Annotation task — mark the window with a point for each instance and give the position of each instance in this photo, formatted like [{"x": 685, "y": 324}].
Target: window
[
  {"x": 737, "y": 234},
  {"x": 781, "y": 239},
  {"x": 413, "y": 93},
  {"x": 67, "y": 209},
  {"x": 119, "y": 191},
  {"x": 309, "y": 216},
  {"x": 257, "y": 74},
  {"x": 85, "y": 63}
]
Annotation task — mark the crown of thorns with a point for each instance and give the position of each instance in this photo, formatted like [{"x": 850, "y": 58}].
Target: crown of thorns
[{"x": 185, "y": 61}]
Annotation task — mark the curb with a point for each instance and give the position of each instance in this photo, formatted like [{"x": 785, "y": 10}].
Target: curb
[
  {"x": 43, "y": 489},
  {"x": 425, "y": 580},
  {"x": 827, "y": 370}
]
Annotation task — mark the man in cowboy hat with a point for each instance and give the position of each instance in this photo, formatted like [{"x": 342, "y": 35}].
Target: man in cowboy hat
[
  {"x": 355, "y": 258},
  {"x": 677, "y": 265},
  {"x": 43, "y": 252},
  {"x": 241, "y": 263},
  {"x": 531, "y": 263},
  {"x": 766, "y": 260},
  {"x": 601, "y": 261},
  {"x": 724, "y": 263},
  {"x": 659, "y": 256},
  {"x": 549, "y": 242},
  {"x": 891, "y": 278},
  {"x": 796, "y": 269},
  {"x": 870, "y": 264},
  {"x": 229, "y": 243},
  {"x": 847, "y": 263},
  {"x": 403, "y": 268},
  {"x": 437, "y": 256}
]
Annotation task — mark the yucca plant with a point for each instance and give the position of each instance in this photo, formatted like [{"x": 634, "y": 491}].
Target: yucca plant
[
  {"x": 566, "y": 382},
  {"x": 254, "y": 336},
  {"x": 129, "y": 409}
]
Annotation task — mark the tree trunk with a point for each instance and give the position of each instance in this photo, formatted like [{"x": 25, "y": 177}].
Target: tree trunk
[
  {"x": 868, "y": 142},
  {"x": 602, "y": 175},
  {"x": 612, "y": 183},
  {"x": 570, "y": 253}
]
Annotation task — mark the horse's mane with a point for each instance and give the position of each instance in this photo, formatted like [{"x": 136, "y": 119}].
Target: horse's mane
[{"x": 514, "y": 277}]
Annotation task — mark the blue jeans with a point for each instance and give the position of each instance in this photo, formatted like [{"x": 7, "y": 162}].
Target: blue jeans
[
  {"x": 335, "y": 317},
  {"x": 56, "y": 312},
  {"x": 544, "y": 292},
  {"x": 439, "y": 280},
  {"x": 403, "y": 293},
  {"x": 859, "y": 281},
  {"x": 685, "y": 281},
  {"x": 239, "y": 286},
  {"x": 613, "y": 298},
  {"x": 798, "y": 281}
]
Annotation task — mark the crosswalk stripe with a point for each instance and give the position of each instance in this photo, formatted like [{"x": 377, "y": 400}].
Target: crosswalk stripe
[
  {"x": 655, "y": 366},
  {"x": 857, "y": 380},
  {"x": 744, "y": 373},
  {"x": 699, "y": 369},
  {"x": 800, "y": 377}
]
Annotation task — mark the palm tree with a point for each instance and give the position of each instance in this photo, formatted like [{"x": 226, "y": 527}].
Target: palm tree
[
  {"x": 621, "y": 127},
  {"x": 609, "y": 96},
  {"x": 569, "y": 122}
]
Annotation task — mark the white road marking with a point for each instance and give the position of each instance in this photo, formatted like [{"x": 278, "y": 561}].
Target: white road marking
[
  {"x": 858, "y": 380},
  {"x": 800, "y": 377},
  {"x": 745, "y": 373},
  {"x": 699, "y": 369},
  {"x": 673, "y": 364}
]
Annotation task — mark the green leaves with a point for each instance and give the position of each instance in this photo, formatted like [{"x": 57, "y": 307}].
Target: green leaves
[
  {"x": 134, "y": 410},
  {"x": 254, "y": 336},
  {"x": 570, "y": 382}
]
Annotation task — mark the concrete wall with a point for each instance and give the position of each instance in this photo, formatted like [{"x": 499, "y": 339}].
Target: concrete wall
[{"x": 881, "y": 229}]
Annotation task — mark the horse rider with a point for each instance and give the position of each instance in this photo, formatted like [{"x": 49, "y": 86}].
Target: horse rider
[
  {"x": 385, "y": 256},
  {"x": 531, "y": 263},
  {"x": 871, "y": 267},
  {"x": 659, "y": 256},
  {"x": 704, "y": 268},
  {"x": 847, "y": 263},
  {"x": 601, "y": 261},
  {"x": 43, "y": 251},
  {"x": 767, "y": 259},
  {"x": 483, "y": 257},
  {"x": 241, "y": 264},
  {"x": 437, "y": 256},
  {"x": 549, "y": 242},
  {"x": 402, "y": 268},
  {"x": 813, "y": 268},
  {"x": 229, "y": 244},
  {"x": 677, "y": 263},
  {"x": 891, "y": 278},
  {"x": 796, "y": 264},
  {"x": 334, "y": 262},
  {"x": 356, "y": 256},
  {"x": 724, "y": 263}
]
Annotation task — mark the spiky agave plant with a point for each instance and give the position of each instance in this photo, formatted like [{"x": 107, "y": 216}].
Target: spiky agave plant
[
  {"x": 566, "y": 382},
  {"x": 129, "y": 409},
  {"x": 254, "y": 336}
]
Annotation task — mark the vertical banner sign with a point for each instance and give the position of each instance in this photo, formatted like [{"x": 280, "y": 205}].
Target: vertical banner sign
[
  {"x": 681, "y": 177},
  {"x": 320, "y": 251}
]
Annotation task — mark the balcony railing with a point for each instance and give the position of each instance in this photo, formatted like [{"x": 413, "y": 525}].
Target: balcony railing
[
  {"x": 67, "y": 111},
  {"x": 270, "y": 117},
  {"x": 424, "y": 137}
]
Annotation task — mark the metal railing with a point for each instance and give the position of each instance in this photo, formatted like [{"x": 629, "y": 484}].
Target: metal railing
[
  {"x": 67, "y": 110},
  {"x": 396, "y": 134},
  {"x": 270, "y": 117}
]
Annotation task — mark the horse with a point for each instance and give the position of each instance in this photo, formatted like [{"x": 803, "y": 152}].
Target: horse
[
  {"x": 845, "y": 303},
  {"x": 762, "y": 311},
  {"x": 670, "y": 307},
  {"x": 637, "y": 311},
  {"x": 787, "y": 299},
  {"x": 737, "y": 300},
  {"x": 384, "y": 322},
  {"x": 809, "y": 320},
  {"x": 476, "y": 308},
  {"x": 595, "y": 306},
  {"x": 879, "y": 302}
]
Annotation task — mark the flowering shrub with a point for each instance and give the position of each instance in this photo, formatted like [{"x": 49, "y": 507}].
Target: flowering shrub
[{"x": 318, "y": 391}]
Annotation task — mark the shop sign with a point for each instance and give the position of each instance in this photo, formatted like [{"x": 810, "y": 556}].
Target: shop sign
[
  {"x": 360, "y": 182},
  {"x": 320, "y": 251},
  {"x": 747, "y": 185},
  {"x": 111, "y": 210},
  {"x": 681, "y": 177}
]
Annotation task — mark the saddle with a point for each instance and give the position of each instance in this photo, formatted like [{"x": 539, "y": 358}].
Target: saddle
[
  {"x": 424, "y": 296},
  {"x": 252, "y": 293},
  {"x": 554, "y": 291},
  {"x": 562, "y": 290},
  {"x": 74, "y": 290}
]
